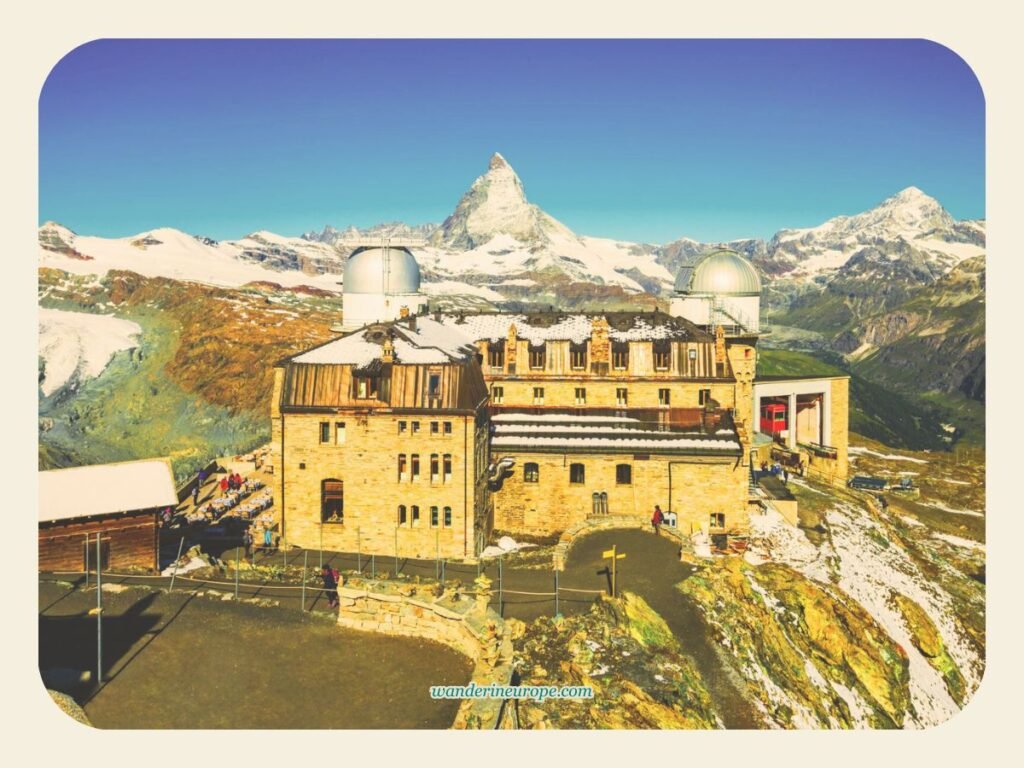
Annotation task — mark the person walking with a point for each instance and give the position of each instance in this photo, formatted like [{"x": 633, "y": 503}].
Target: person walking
[
  {"x": 657, "y": 519},
  {"x": 247, "y": 542},
  {"x": 224, "y": 484},
  {"x": 329, "y": 575},
  {"x": 785, "y": 476},
  {"x": 268, "y": 535},
  {"x": 195, "y": 495}
]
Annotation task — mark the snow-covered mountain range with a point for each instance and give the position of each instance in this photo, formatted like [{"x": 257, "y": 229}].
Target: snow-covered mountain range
[{"x": 497, "y": 244}]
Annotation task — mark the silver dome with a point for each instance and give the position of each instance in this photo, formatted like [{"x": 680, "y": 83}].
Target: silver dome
[
  {"x": 721, "y": 272},
  {"x": 368, "y": 271}
]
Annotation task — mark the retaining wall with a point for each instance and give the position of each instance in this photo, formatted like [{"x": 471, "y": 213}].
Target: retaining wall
[{"x": 465, "y": 625}]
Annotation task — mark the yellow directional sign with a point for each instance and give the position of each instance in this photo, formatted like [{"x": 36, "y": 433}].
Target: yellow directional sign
[{"x": 611, "y": 554}]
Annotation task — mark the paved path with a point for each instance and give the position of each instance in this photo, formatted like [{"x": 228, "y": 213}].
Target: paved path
[{"x": 651, "y": 569}]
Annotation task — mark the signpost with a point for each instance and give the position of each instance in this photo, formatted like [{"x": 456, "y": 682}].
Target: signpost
[{"x": 614, "y": 557}]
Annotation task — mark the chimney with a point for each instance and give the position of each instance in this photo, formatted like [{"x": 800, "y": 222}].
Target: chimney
[
  {"x": 600, "y": 345},
  {"x": 412, "y": 322},
  {"x": 719, "y": 344},
  {"x": 510, "y": 348},
  {"x": 387, "y": 354}
]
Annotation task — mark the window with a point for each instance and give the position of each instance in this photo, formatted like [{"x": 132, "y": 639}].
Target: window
[
  {"x": 538, "y": 395},
  {"x": 447, "y": 427},
  {"x": 620, "y": 355},
  {"x": 415, "y": 515},
  {"x": 497, "y": 394},
  {"x": 622, "y": 396},
  {"x": 403, "y": 517},
  {"x": 662, "y": 358},
  {"x": 496, "y": 354},
  {"x": 578, "y": 356},
  {"x": 537, "y": 357},
  {"x": 403, "y": 427},
  {"x": 434, "y": 385},
  {"x": 403, "y": 468},
  {"x": 415, "y": 427},
  {"x": 433, "y": 517},
  {"x": 332, "y": 501},
  {"x": 704, "y": 397},
  {"x": 581, "y": 396},
  {"x": 577, "y": 474},
  {"x": 325, "y": 431},
  {"x": 718, "y": 520},
  {"x": 623, "y": 474},
  {"x": 663, "y": 397},
  {"x": 447, "y": 467},
  {"x": 599, "y": 503},
  {"x": 531, "y": 472},
  {"x": 415, "y": 467},
  {"x": 434, "y": 468},
  {"x": 434, "y": 428},
  {"x": 447, "y": 517},
  {"x": 366, "y": 387},
  {"x": 339, "y": 433}
]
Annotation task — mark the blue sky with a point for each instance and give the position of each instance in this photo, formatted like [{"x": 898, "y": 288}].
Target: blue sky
[{"x": 644, "y": 140}]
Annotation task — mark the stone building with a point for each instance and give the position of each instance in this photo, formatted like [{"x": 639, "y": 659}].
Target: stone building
[
  {"x": 425, "y": 434},
  {"x": 614, "y": 413},
  {"x": 380, "y": 442}
]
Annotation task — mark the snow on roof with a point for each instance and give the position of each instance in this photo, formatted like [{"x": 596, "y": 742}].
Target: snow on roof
[
  {"x": 431, "y": 343},
  {"x": 103, "y": 489},
  {"x": 623, "y": 443},
  {"x": 601, "y": 429},
  {"x": 576, "y": 328},
  {"x": 543, "y": 417}
]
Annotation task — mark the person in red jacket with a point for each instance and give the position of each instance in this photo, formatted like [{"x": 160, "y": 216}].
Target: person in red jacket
[{"x": 657, "y": 519}]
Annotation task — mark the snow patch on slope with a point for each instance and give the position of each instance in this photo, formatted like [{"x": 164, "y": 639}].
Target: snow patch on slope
[{"x": 79, "y": 345}]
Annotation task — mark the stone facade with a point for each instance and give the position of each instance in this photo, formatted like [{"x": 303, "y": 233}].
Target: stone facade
[
  {"x": 367, "y": 464},
  {"x": 700, "y": 486}
]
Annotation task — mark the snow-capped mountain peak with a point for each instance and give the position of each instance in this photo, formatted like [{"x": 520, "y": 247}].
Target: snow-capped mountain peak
[{"x": 496, "y": 204}]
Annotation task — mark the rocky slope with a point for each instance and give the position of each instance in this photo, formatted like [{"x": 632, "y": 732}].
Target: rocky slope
[{"x": 630, "y": 658}]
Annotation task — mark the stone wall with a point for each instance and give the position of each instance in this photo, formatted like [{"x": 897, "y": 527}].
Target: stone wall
[
  {"x": 609, "y": 522},
  {"x": 466, "y": 625},
  {"x": 700, "y": 486},
  {"x": 367, "y": 463}
]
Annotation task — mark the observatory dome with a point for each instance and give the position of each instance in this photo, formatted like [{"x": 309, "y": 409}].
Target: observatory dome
[
  {"x": 721, "y": 272},
  {"x": 376, "y": 270}
]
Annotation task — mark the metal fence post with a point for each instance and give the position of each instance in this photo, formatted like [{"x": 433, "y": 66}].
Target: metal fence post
[
  {"x": 237, "y": 570},
  {"x": 443, "y": 563},
  {"x": 99, "y": 611},
  {"x": 373, "y": 566},
  {"x": 174, "y": 572},
  {"x": 87, "y": 561},
  {"x": 284, "y": 551},
  {"x": 437, "y": 553},
  {"x": 305, "y": 564}
]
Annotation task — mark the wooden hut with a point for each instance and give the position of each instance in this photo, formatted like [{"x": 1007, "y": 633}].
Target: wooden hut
[{"x": 119, "y": 502}]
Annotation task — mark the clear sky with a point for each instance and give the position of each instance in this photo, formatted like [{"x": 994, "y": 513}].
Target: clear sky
[{"x": 646, "y": 140}]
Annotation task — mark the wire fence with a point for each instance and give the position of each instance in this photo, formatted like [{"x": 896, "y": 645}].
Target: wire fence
[{"x": 305, "y": 582}]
